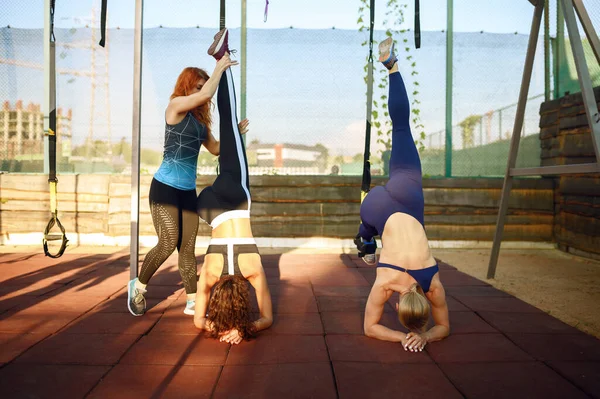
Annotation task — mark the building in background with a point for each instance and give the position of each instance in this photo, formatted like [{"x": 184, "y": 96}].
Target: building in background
[
  {"x": 22, "y": 137},
  {"x": 288, "y": 156}
]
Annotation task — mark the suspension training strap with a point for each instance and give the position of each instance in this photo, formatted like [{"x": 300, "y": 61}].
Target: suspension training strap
[
  {"x": 366, "y": 177},
  {"x": 52, "y": 180},
  {"x": 103, "y": 23},
  {"x": 222, "y": 19},
  {"x": 417, "y": 25}
]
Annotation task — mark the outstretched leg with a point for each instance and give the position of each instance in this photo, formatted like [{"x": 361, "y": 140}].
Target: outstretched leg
[
  {"x": 405, "y": 184},
  {"x": 232, "y": 182},
  {"x": 404, "y": 151}
]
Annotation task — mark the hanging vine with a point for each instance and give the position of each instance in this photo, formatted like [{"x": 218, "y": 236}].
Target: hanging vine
[{"x": 394, "y": 19}]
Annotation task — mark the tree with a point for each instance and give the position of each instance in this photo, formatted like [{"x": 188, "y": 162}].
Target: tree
[{"x": 468, "y": 127}]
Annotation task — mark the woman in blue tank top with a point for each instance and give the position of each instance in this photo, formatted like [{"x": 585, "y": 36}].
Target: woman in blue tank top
[
  {"x": 173, "y": 188},
  {"x": 406, "y": 264}
]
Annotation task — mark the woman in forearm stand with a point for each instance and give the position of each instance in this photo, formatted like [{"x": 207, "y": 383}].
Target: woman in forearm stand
[{"x": 395, "y": 212}]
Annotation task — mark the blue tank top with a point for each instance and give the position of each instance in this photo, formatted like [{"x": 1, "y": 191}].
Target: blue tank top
[{"x": 180, "y": 157}]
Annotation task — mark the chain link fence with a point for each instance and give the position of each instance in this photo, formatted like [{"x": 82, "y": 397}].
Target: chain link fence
[{"x": 304, "y": 95}]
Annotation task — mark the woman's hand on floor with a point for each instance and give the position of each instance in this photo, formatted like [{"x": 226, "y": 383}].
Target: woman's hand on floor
[
  {"x": 232, "y": 337},
  {"x": 415, "y": 342}
]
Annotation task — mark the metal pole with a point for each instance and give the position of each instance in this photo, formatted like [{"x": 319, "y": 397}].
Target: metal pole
[
  {"x": 449, "y": 49},
  {"x": 585, "y": 81},
  {"x": 243, "y": 62},
  {"x": 135, "y": 139},
  {"x": 560, "y": 58},
  {"x": 516, "y": 136},
  {"x": 500, "y": 124},
  {"x": 546, "y": 50},
  {"x": 588, "y": 28},
  {"x": 49, "y": 82}
]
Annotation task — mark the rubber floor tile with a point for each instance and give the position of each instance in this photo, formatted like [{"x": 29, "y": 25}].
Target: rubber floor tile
[
  {"x": 509, "y": 380},
  {"x": 343, "y": 291},
  {"x": 451, "y": 278},
  {"x": 468, "y": 323},
  {"x": 545, "y": 347},
  {"x": 475, "y": 290},
  {"x": 48, "y": 381},
  {"x": 376, "y": 380},
  {"x": 497, "y": 304},
  {"x": 359, "y": 348},
  {"x": 270, "y": 349},
  {"x": 156, "y": 381},
  {"x": 89, "y": 349},
  {"x": 32, "y": 321},
  {"x": 177, "y": 349},
  {"x": 353, "y": 322},
  {"x": 541, "y": 323},
  {"x": 112, "y": 323},
  {"x": 174, "y": 321},
  {"x": 290, "y": 381},
  {"x": 40, "y": 288},
  {"x": 118, "y": 304},
  {"x": 476, "y": 348},
  {"x": 290, "y": 303},
  {"x": 347, "y": 277},
  {"x": 12, "y": 345},
  {"x": 301, "y": 323},
  {"x": 66, "y": 303},
  {"x": 586, "y": 375}
]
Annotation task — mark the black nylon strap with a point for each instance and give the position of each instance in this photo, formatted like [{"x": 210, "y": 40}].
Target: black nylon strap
[
  {"x": 222, "y": 18},
  {"x": 366, "y": 177},
  {"x": 417, "y": 25},
  {"x": 103, "y": 23}
]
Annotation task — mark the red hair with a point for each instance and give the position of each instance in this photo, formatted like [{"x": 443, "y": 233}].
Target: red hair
[
  {"x": 229, "y": 307},
  {"x": 187, "y": 80}
]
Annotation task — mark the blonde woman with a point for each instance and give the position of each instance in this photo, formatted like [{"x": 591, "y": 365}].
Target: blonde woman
[{"x": 395, "y": 213}]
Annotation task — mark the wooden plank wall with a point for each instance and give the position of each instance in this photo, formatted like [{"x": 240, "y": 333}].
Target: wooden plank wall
[
  {"x": 283, "y": 206},
  {"x": 566, "y": 139}
]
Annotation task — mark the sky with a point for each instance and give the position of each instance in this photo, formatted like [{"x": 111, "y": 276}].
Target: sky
[{"x": 496, "y": 16}]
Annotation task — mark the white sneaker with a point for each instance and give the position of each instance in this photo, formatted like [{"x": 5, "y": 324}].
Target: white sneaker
[
  {"x": 190, "y": 308},
  {"x": 136, "y": 303},
  {"x": 370, "y": 259}
]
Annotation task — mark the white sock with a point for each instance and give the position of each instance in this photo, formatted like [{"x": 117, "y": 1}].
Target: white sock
[
  {"x": 140, "y": 286},
  {"x": 191, "y": 297}
]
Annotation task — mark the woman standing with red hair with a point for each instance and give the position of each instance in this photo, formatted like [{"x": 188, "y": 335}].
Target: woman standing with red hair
[{"x": 173, "y": 188}]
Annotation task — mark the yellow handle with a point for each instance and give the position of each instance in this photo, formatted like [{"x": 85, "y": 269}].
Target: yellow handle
[{"x": 53, "y": 202}]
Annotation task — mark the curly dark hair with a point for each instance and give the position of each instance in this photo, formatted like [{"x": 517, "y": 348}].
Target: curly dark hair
[{"x": 229, "y": 307}]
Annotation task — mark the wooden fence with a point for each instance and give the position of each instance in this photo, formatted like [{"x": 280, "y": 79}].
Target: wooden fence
[
  {"x": 283, "y": 206},
  {"x": 566, "y": 139}
]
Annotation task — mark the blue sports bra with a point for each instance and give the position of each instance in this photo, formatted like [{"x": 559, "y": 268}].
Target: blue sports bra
[{"x": 423, "y": 276}]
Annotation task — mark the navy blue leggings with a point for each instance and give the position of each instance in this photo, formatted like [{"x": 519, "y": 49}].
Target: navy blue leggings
[
  {"x": 404, "y": 190},
  {"x": 404, "y": 157}
]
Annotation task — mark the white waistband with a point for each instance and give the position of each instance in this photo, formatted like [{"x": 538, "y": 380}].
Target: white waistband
[
  {"x": 232, "y": 240},
  {"x": 237, "y": 214}
]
